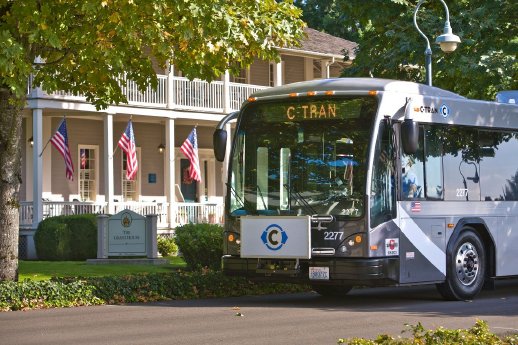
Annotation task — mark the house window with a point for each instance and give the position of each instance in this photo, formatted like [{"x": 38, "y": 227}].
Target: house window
[
  {"x": 130, "y": 188},
  {"x": 240, "y": 78},
  {"x": 88, "y": 171}
]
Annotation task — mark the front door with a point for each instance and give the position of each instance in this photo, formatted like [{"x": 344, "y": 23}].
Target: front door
[{"x": 188, "y": 185}]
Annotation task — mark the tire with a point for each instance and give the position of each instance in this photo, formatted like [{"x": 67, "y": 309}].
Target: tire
[
  {"x": 332, "y": 290},
  {"x": 465, "y": 268}
]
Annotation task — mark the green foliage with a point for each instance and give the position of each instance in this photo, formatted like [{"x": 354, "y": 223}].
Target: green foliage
[
  {"x": 203, "y": 38},
  {"x": 390, "y": 46},
  {"x": 67, "y": 238},
  {"x": 46, "y": 294},
  {"x": 478, "y": 334},
  {"x": 201, "y": 245},
  {"x": 167, "y": 246},
  {"x": 67, "y": 292},
  {"x": 326, "y": 16}
]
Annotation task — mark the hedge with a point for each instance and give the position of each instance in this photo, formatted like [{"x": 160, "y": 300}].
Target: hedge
[
  {"x": 67, "y": 292},
  {"x": 201, "y": 245},
  {"x": 67, "y": 238},
  {"x": 477, "y": 335}
]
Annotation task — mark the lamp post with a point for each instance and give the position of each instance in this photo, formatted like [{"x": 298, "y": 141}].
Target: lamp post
[{"x": 448, "y": 41}]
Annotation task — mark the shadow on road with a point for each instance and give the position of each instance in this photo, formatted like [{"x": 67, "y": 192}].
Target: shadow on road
[{"x": 503, "y": 300}]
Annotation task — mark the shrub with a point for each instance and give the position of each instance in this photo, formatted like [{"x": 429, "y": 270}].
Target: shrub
[
  {"x": 46, "y": 294},
  {"x": 67, "y": 238},
  {"x": 68, "y": 292},
  {"x": 201, "y": 245},
  {"x": 167, "y": 246},
  {"x": 478, "y": 334}
]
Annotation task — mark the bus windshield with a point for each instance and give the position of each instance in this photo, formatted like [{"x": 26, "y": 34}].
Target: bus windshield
[{"x": 302, "y": 157}]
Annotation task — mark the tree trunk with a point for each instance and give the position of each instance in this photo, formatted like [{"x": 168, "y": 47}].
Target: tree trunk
[{"x": 10, "y": 179}]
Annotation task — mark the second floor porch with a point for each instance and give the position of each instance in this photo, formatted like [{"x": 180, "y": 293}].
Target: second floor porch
[{"x": 172, "y": 92}]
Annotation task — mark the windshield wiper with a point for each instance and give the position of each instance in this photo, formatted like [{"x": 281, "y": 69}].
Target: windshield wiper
[
  {"x": 238, "y": 198},
  {"x": 262, "y": 198},
  {"x": 305, "y": 204}
]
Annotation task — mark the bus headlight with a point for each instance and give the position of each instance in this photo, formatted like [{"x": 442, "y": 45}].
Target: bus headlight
[
  {"x": 352, "y": 245},
  {"x": 232, "y": 243}
]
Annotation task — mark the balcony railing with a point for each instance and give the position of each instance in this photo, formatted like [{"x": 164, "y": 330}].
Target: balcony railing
[
  {"x": 184, "y": 212},
  {"x": 186, "y": 94}
]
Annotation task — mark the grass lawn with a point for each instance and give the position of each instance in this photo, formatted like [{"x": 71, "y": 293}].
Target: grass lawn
[{"x": 44, "y": 270}]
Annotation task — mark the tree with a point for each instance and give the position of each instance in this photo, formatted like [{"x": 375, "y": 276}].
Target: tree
[
  {"x": 390, "y": 47},
  {"x": 84, "y": 47},
  {"x": 327, "y": 16}
]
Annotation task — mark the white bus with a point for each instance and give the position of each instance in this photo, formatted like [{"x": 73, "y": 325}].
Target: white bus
[{"x": 354, "y": 181}]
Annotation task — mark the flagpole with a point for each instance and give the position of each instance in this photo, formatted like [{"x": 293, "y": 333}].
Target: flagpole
[{"x": 48, "y": 141}]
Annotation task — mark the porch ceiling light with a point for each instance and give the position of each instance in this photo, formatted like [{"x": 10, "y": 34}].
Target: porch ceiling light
[
  {"x": 31, "y": 141},
  {"x": 161, "y": 148}
]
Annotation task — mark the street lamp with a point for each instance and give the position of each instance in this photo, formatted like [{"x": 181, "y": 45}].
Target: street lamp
[{"x": 448, "y": 41}]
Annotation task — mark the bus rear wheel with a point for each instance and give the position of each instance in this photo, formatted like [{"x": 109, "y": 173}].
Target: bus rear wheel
[
  {"x": 331, "y": 290},
  {"x": 465, "y": 268}
]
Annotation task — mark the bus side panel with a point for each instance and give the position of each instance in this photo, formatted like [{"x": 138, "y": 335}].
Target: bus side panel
[
  {"x": 504, "y": 231},
  {"x": 422, "y": 249}
]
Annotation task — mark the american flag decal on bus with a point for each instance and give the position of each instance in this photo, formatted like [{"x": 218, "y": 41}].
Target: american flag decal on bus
[{"x": 415, "y": 206}]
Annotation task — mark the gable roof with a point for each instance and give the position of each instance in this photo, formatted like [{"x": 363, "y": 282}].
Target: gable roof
[{"x": 323, "y": 44}]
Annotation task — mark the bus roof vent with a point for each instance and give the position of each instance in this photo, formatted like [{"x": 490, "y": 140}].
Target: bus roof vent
[{"x": 510, "y": 97}]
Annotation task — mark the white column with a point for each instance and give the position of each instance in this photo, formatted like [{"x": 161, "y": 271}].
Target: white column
[
  {"x": 37, "y": 165},
  {"x": 226, "y": 93},
  {"x": 29, "y": 171},
  {"x": 46, "y": 157},
  {"x": 108, "y": 163},
  {"x": 325, "y": 68},
  {"x": 170, "y": 171},
  {"x": 277, "y": 81}
]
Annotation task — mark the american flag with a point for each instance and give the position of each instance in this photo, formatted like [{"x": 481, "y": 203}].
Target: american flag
[
  {"x": 415, "y": 206},
  {"x": 83, "y": 158},
  {"x": 60, "y": 142},
  {"x": 190, "y": 150},
  {"x": 128, "y": 145}
]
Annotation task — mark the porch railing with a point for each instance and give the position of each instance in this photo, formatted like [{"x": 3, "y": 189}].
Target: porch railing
[
  {"x": 184, "y": 213},
  {"x": 186, "y": 94}
]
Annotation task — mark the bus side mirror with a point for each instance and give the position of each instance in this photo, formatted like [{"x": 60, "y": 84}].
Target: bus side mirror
[
  {"x": 409, "y": 131},
  {"x": 219, "y": 140},
  {"x": 410, "y": 136}
]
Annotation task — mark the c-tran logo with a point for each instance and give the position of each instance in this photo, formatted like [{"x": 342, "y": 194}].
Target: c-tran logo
[
  {"x": 444, "y": 110},
  {"x": 274, "y": 237}
]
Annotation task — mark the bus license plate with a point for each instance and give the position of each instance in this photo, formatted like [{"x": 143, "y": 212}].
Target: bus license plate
[{"x": 319, "y": 273}]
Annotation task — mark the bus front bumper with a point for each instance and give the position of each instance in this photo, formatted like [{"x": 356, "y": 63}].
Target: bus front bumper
[{"x": 348, "y": 271}]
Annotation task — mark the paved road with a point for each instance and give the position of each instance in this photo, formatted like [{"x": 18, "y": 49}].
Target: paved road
[{"x": 279, "y": 319}]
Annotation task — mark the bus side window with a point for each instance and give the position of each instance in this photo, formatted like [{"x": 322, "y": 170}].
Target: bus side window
[
  {"x": 461, "y": 163},
  {"x": 433, "y": 163},
  {"x": 412, "y": 176}
]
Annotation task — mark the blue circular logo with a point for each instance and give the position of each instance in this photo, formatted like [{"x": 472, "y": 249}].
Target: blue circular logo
[
  {"x": 444, "y": 110},
  {"x": 274, "y": 237}
]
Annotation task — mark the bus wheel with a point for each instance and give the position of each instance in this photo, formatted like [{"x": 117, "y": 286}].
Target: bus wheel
[
  {"x": 331, "y": 290},
  {"x": 465, "y": 268}
]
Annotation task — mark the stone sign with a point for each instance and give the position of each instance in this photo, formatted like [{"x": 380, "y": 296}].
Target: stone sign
[{"x": 126, "y": 234}]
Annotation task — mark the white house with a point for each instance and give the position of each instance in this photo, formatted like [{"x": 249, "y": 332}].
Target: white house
[{"x": 162, "y": 119}]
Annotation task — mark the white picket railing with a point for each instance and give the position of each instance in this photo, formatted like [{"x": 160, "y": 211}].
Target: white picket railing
[
  {"x": 148, "y": 97},
  {"x": 197, "y": 94},
  {"x": 186, "y": 94},
  {"x": 240, "y": 93},
  {"x": 184, "y": 212}
]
